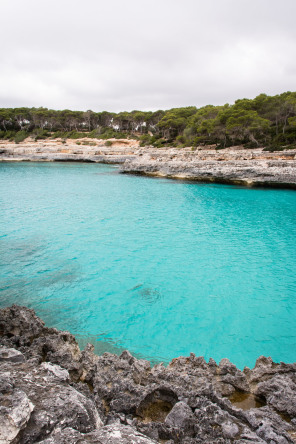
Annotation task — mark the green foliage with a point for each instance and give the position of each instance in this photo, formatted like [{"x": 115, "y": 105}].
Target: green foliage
[
  {"x": 94, "y": 134},
  {"x": 75, "y": 135},
  {"x": 9, "y": 135},
  {"x": 268, "y": 121},
  {"x": 159, "y": 143},
  {"x": 66, "y": 135},
  {"x": 145, "y": 140},
  {"x": 40, "y": 134},
  {"x": 108, "y": 143},
  {"x": 85, "y": 142},
  {"x": 20, "y": 136}
]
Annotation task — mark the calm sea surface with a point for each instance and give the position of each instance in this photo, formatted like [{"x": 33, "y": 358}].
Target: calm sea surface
[{"x": 160, "y": 267}]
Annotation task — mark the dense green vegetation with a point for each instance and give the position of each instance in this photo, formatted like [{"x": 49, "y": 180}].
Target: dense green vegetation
[{"x": 268, "y": 121}]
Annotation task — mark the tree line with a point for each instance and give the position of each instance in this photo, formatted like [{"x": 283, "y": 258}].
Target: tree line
[{"x": 268, "y": 121}]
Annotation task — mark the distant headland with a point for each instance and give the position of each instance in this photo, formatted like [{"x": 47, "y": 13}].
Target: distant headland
[{"x": 252, "y": 142}]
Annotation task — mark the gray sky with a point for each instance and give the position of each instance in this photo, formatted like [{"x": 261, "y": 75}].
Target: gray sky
[{"x": 144, "y": 54}]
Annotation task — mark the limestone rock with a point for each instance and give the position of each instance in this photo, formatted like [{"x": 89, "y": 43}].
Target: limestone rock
[
  {"x": 53, "y": 394},
  {"x": 10, "y": 354},
  {"x": 280, "y": 393},
  {"x": 120, "y": 434},
  {"x": 56, "y": 371},
  {"x": 180, "y": 416},
  {"x": 15, "y": 412},
  {"x": 230, "y": 165}
]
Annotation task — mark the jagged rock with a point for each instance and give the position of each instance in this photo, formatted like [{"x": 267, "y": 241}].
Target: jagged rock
[
  {"x": 21, "y": 329},
  {"x": 111, "y": 434},
  {"x": 231, "y": 379},
  {"x": 55, "y": 402},
  {"x": 10, "y": 354},
  {"x": 180, "y": 416},
  {"x": 15, "y": 412},
  {"x": 20, "y": 322},
  {"x": 280, "y": 393},
  {"x": 56, "y": 371},
  {"x": 65, "y": 436},
  {"x": 75, "y": 393},
  {"x": 120, "y": 434}
]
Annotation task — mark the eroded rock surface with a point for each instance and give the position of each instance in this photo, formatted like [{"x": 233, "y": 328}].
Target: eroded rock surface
[
  {"x": 235, "y": 165},
  {"x": 232, "y": 165},
  {"x": 52, "y": 393},
  {"x": 57, "y": 151}
]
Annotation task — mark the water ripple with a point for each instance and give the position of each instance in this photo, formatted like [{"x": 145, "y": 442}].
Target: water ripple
[{"x": 159, "y": 267}]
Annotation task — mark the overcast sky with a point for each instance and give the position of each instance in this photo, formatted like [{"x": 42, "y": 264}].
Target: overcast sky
[{"x": 120, "y": 55}]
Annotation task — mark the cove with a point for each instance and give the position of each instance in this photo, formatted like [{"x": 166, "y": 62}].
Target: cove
[{"x": 160, "y": 267}]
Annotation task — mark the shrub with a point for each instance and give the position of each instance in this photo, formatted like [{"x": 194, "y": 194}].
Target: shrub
[
  {"x": 20, "y": 136},
  {"x": 75, "y": 135},
  {"x": 145, "y": 140},
  {"x": 9, "y": 135},
  {"x": 60, "y": 135},
  {"x": 160, "y": 143},
  {"x": 40, "y": 134},
  {"x": 108, "y": 143},
  {"x": 94, "y": 134}
]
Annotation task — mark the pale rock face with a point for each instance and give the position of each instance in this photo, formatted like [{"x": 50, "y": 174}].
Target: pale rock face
[
  {"x": 230, "y": 430},
  {"x": 112, "y": 434},
  {"x": 11, "y": 355},
  {"x": 15, "y": 412},
  {"x": 231, "y": 165},
  {"x": 120, "y": 434},
  {"x": 239, "y": 166},
  {"x": 56, "y": 371}
]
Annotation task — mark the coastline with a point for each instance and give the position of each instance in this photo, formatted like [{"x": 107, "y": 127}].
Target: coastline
[
  {"x": 54, "y": 393},
  {"x": 235, "y": 165}
]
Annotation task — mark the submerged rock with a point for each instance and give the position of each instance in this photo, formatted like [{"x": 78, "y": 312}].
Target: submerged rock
[{"x": 51, "y": 392}]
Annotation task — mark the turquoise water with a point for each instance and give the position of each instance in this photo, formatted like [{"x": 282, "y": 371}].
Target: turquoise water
[{"x": 160, "y": 267}]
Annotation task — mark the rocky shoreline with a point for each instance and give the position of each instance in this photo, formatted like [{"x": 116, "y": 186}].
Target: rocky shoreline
[
  {"x": 236, "y": 165},
  {"x": 53, "y": 393}
]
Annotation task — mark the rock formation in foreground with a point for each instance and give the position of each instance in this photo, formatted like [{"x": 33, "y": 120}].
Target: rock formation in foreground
[{"x": 53, "y": 393}]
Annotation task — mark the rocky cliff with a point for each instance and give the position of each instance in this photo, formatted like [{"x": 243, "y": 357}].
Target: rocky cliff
[
  {"x": 236, "y": 165},
  {"x": 57, "y": 150},
  {"x": 53, "y": 393},
  {"x": 252, "y": 167}
]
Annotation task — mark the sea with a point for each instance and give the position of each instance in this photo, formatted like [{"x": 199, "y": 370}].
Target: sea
[{"x": 160, "y": 267}]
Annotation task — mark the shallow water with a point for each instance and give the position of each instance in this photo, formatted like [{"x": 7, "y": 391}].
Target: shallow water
[{"x": 160, "y": 267}]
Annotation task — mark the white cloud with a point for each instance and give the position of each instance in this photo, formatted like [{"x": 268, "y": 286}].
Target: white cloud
[{"x": 144, "y": 54}]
